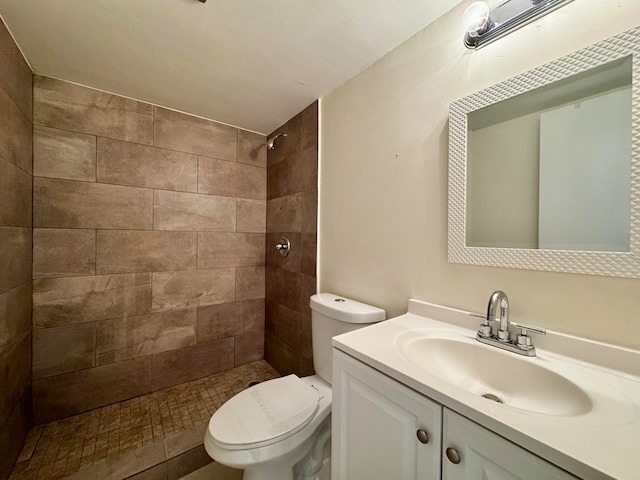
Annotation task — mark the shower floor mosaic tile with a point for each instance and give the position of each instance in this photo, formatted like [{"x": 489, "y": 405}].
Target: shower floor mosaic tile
[{"x": 66, "y": 447}]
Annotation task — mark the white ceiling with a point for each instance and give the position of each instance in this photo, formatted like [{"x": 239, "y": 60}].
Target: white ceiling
[{"x": 248, "y": 63}]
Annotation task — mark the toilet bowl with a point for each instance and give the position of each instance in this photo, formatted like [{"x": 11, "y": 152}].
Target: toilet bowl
[{"x": 281, "y": 429}]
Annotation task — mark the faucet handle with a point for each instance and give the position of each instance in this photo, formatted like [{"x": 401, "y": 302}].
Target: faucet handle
[
  {"x": 485, "y": 328},
  {"x": 523, "y": 340}
]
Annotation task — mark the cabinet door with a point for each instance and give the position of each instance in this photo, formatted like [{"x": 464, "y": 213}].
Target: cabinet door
[
  {"x": 375, "y": 426},
  {"x": 487, "y": 456}
]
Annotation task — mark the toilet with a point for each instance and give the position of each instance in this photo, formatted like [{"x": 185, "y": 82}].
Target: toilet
[{"x": 281, "y": 429}]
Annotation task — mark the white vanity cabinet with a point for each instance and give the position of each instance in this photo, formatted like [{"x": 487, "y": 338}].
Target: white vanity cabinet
[
  {"x": 375, "y": 436},
  {"x": 484, "y": 455},
  {"x": 375, "y": 425}
]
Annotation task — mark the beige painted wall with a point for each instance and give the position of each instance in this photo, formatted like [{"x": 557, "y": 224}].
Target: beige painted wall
[{"x": 383, "y": 179}]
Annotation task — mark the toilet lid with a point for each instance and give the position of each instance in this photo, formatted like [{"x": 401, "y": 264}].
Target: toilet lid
[{"x": 264, "y": 414}]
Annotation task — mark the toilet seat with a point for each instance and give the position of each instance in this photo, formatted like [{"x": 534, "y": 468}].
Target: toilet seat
[{"x": 264, "y": 414}]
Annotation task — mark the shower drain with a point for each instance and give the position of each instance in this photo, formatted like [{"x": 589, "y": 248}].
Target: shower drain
[{"x": 492, "y": 397}]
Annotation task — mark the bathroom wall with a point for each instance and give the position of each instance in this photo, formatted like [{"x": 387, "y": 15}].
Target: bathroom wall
[
  {"x": 383, "y": 202},
  {"x": 16, "y": 107},
  {"x": 148, "y": 248},
  {"x": 292, "y": 204}
]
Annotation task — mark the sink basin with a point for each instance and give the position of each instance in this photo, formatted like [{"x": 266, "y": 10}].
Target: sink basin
[{"x": 499, "y": 376}]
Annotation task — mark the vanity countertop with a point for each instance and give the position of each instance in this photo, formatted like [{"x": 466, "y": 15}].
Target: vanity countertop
[{"x": 600, "y": 442}]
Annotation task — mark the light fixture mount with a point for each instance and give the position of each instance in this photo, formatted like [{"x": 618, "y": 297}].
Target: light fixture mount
[{"x": 484, "y": 25}]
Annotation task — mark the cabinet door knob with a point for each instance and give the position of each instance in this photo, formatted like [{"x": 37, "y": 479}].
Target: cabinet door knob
[
  {"x": 453, "y": 455},
  {"x": 423, "y": 436}
]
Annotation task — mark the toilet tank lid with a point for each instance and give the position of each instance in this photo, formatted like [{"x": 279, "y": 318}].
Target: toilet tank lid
[{"x": 344, "y": 309}]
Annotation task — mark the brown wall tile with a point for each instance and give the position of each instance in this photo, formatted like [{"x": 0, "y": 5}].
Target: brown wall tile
[
  {"x": 123, "y": 338},
  {"x": 62, "y": 154},
  {"x": 70, "y": 300},
  {"x": 249, "y": 347},
  {"x": 15, "y": 314},
  {"x": 193, "y": 288},
  {"x": 251, "y": 215},
  {"x": 284, "y": 214},
  {"x": 15, "y": 257},
  {"x": 15, "y": 373},
  {"x": 292, "y": 209},
  {"x": 310, "y": 211},
  {"x": 283, "y": 287},
  {"x": 16, "y": 142},
  {"x": 308, "y": 288},
  {"x": 309, "y": 248},
  {"x": 229, "y": 319},
  {"x": 191, "y": 211},
  {"x": 70, "y": 204},
  {"x": 16, "y": 134},
  {"x": 197, "y": 361},
  {"x": 145, "y": 323},
  {"x": 126, "y": 163},
  {"x": 63, "y": 349},
  {"x": 58, "y": 397},
  {"x": 231, "y": 179},
  {"x": 122, "y": 251},
  {"x": 60, "y": 91},
  {"x": 13, "y": 433},
  {"x": 284, "y": 323},
  {"x": 252, "y": 149},
  {"x": 285, "y": 177},
  {"x": 249, "y": 283},
  {"x": 280, "y": 356},
  {"x": 286, "y": 147},
  {"x": 310, "y": 169},
  {"x": 15, "y": 196},
  {"x": 186, "y": 133},
  {"x": 306, "y": 342},
  {"x": 310, "y": 127},
  {"x": 220, "y": 249},
  {"x": 63, "y": 252},
  {"x": 292, "y": 261},
  {"x": 66, "y": 106},
  {"x": 306, "y": 367},
  {"x": 16, "y": 78}
]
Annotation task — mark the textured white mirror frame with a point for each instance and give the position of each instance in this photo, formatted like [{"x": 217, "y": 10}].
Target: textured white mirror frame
[{"x": 617, "y": 264}]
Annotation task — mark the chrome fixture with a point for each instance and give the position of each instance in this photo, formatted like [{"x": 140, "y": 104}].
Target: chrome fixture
[
  {"x": 483, "y": 25},
  {"x": 498, "y": 311},
  {"x": 284, "y": 246},
  {"x": 499, "y": 299},
  {"x": 271, "y": 143}
]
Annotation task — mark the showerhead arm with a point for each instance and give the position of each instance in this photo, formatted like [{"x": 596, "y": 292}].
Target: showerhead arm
[{"x": 271, "y": 142}]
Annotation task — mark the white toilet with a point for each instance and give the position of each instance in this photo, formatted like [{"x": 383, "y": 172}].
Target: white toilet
[{"x": 281, "y": 429}]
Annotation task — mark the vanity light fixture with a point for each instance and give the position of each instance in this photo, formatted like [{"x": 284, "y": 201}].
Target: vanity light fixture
[{"x": 483, "y": 25}]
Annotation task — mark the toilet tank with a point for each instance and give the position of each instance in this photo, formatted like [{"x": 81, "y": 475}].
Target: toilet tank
[{"x": 333, "y": 315}]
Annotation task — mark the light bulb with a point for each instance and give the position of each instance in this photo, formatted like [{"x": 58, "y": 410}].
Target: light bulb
[{"x": 475, "y": 19}]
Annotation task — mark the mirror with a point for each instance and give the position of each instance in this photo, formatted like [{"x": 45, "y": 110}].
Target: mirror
[{"x": 543, "y": 168}]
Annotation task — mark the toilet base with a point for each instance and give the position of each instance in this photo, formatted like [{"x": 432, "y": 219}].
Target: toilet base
[
  {"x": 281, "y": 472},
  {"x": 312, "y": 461}
]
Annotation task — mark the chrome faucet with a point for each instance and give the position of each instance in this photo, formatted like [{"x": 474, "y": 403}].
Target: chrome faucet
[
  {"x": 498, "y": 311},
  {"x": 499, "y": 301}
]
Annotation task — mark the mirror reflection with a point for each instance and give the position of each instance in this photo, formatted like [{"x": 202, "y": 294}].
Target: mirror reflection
[{"x": 551, "y": 168}]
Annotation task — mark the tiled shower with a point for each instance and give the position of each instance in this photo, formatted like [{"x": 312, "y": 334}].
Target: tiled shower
[{"x": 138, "y": 264}]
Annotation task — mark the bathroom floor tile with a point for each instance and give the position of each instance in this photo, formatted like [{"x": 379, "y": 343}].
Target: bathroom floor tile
[{"x": 83, "y": 445}]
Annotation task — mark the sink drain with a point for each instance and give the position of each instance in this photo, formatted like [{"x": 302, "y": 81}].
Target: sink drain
[{"x": 492, "y": 397}]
